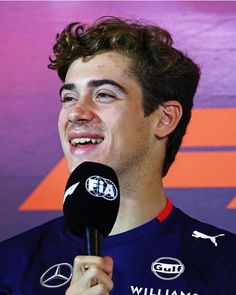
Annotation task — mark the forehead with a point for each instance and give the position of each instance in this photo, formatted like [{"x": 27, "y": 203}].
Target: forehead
[{"x": 107, "y": 65}]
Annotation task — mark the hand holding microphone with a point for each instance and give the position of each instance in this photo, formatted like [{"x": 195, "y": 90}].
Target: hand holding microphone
[
  {"x": 92, "y": 275},
  {"x": 91, "y": 205}
]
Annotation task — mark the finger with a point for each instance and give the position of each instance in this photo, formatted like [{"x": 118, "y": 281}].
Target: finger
[
  {"x": 92, "y": 277},
  {"x": 108, "y": 267},
  {"x": 99, "y": 289},
  {"x": 96, "y": 290},
  {"x": 83, "y": 263},
  {"x": 97, "y": 276}
]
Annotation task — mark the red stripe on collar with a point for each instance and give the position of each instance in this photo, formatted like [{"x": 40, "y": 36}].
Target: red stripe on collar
[{"x": 166, "y": 211}]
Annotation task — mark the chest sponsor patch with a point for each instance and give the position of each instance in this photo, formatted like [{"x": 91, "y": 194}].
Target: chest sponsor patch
[
  {"x": 151, "y": 291},
  {"x": 56, "y": 276},
  {"x": 167, "y": 268}
]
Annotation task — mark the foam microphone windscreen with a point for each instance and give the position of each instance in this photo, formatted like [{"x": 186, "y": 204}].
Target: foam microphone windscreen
[{"x": 91, "y": 198}]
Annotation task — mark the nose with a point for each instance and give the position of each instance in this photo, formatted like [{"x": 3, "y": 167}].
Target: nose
[{"x": 81, "y": 112}]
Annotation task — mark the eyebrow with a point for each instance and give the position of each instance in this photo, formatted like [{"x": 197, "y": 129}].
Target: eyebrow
[
  {"x": 94, "y": 83},
  {"x": 70, "y": 86},
  {"x": 97, "y": 83}
]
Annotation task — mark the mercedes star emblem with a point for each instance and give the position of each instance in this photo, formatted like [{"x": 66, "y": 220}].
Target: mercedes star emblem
[{"x": 56, "y": 276}]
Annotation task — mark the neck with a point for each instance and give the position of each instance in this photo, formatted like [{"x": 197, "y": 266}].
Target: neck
[{"x": 139, "y": 205}]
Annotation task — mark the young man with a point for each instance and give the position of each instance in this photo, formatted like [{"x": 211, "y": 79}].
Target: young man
[{"x": 126, "y": 102}]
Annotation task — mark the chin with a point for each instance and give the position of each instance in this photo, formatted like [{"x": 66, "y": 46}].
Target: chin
[
  {"x": 75, "y": 163},
  {"x": 72, "y": 164}
]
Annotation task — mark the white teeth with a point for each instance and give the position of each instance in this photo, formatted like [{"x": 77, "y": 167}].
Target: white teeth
[
  {"x": 99, "y": 140},
  {"x": 82, "y": 140}
]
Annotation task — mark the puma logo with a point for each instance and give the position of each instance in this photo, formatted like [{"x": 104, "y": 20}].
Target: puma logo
[{"x": 197, "y": 234}]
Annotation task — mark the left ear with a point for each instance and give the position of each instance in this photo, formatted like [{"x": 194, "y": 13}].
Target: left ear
[{"x": 169, "y": 115}]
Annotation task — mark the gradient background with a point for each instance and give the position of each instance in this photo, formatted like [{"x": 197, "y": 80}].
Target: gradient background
[{"x": 202, "y": 181}]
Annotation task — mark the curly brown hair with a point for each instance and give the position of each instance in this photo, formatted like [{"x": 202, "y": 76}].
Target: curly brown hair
[{"x": 164, "y": 72}]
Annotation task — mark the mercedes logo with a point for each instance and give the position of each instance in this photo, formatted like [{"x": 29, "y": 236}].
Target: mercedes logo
[{"x": 56, "y": 276}]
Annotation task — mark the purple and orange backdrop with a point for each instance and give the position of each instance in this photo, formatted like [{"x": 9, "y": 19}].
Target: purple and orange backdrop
[{"x": 33, "y": 171}]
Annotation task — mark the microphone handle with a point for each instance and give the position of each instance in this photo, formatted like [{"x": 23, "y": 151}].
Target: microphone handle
[{"x": 92, "y": 241}]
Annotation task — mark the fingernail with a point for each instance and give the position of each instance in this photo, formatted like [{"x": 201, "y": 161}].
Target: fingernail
[{"x": 109, "y": 263}]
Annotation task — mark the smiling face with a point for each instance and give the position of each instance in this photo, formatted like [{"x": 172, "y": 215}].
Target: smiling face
[{"x": 102, "y": 118}]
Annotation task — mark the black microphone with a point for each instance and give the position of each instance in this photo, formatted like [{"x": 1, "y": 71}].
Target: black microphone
[{"x": 91, "y": 204}]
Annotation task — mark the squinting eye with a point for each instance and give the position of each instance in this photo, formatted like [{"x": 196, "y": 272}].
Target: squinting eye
[
  {"x": 68, "y": 100},
  {"x": 104, "y": 97}
]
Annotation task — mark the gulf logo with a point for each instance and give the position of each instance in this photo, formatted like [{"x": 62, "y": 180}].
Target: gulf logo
[{"x": 167, "y": 268}]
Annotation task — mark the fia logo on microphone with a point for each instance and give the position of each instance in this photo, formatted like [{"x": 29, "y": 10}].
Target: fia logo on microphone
[{"x": 101, "y": 187}]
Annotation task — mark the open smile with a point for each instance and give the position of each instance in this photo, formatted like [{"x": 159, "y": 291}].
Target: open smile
[{"x": 85, "y": 140}]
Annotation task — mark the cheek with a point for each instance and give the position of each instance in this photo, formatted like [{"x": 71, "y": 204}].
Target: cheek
[
  {"x": 61, "y": 122},
  {"x": 136, "y": 116},
  {"x": 138, "y": 110},
  {"x": 124, "y": 120},
  {"x": 134, "y": 124}
]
